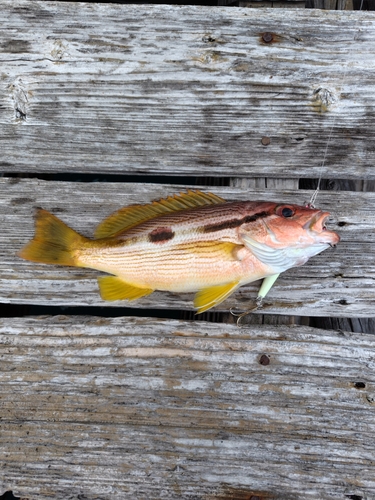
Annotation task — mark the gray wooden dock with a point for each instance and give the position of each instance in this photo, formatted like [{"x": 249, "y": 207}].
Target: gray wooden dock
[{"x": 151, "y": 100}]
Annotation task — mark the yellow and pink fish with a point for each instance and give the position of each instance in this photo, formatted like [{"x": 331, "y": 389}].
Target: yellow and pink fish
[{"x": 191, "y": 242}]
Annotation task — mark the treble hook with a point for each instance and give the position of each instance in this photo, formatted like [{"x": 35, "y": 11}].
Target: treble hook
[{"x": 258, "y": 305}]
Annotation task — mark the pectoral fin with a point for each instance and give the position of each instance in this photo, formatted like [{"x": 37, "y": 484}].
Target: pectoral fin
[
  {"x": 210, "y": 297},
  {"x": 267, "y": 285},
  {"x": 114, "y": 288}
]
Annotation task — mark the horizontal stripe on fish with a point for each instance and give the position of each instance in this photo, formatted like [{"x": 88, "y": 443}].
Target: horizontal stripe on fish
[
  {"x": 192, "y": 225},
  {"x": 233, "y": 223},
  {"x": 184, "y": 267},
  {"x": 194, "y": 218},
  {"x": 184, "y": 251}
]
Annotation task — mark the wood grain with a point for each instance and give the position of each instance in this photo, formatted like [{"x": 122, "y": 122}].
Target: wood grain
[
  {"x": 138, "y": 408},
  {"x": 186, "y": 90},
  {"x": 338, "y": 283},
  {"x": 99, "y": 408}
]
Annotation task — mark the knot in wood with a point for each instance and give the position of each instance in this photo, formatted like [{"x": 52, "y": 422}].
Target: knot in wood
[
  {"x": 209, "y": 39},
  {"x": 19, "y": 95},
  {"x": 324, "y": 99}
]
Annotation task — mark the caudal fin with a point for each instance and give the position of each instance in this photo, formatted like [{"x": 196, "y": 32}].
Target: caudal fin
[{"x": 54, "y": 242}]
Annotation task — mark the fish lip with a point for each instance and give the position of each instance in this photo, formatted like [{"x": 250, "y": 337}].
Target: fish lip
[
  {"x": 317, "y": 225},
  {"x": 323, "y": 222},
  {"x": 318, "y": 217}
]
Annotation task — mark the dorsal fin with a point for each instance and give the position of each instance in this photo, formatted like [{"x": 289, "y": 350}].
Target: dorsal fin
[{"x": 128, "y": 217}]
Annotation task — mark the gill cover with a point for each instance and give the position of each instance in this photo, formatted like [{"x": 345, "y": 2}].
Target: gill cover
[{"x": 279, "y": 259}]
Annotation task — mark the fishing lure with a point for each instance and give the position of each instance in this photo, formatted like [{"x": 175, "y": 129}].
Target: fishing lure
[{"x": 191, "y": 242}]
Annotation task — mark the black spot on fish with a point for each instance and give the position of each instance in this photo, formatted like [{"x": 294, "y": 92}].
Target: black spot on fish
[
  {"x": 230, "y": 224},
  {"x": 161, "y": 235}
]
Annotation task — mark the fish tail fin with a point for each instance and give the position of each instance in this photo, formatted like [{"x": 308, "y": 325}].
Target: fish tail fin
[{"x": 54, "y": 242}]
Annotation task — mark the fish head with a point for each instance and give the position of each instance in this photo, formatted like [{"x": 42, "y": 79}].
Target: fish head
[{"x": 287, "y": 235}]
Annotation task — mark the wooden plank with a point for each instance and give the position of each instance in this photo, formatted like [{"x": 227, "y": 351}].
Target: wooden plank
[
  {"x": 139, "y": 408},
  {"x": 287, "y": 4},
  {"x": 186, "y": 90},
  {"x": 263, "y": 183},
  {"x": 330, "y": 4},
  {"x": 338, "y": 283}
]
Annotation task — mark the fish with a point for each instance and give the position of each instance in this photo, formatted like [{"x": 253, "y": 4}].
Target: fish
[{"x": 190, "y": 242}]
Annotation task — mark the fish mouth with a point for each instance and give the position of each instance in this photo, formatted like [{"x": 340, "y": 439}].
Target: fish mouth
[{"x": 317, "y": 226}]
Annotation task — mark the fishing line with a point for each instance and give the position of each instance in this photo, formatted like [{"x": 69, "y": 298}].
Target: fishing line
[
  {"x": 311, "y": 203},
  {"x": 259, "y": 301}
]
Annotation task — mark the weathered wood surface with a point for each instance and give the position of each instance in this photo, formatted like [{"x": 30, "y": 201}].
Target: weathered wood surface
[
  {"x": 338, "y": 282},
  {"x": 330, "y": 4},
  {"x": 165, "y": 89},
  {"x": 260, "y": 4},
  {"x": 138, "y": 408}
]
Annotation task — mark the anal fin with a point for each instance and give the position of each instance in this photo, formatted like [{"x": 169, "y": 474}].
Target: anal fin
[
  {"x": 114, "y": 288},
  {"x": 212, "y": 296}
]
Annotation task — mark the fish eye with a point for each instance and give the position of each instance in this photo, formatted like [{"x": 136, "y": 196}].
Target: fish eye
[{"x": 285, "y": 212}]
